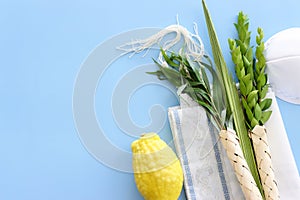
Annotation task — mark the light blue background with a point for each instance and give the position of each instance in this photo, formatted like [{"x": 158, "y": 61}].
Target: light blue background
[{"x": 42, "y": 46}]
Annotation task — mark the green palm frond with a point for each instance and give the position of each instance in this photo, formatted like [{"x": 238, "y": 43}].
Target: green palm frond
[{"x": 232, "y": 98}]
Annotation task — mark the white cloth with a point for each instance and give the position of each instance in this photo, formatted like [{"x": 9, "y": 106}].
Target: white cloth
[
  {"x": 282, "y": 52},
  {"x": 208, "y": 174}
]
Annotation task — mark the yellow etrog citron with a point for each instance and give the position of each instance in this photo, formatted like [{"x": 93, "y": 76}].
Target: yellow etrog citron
[{"x": 157, "y": 170}]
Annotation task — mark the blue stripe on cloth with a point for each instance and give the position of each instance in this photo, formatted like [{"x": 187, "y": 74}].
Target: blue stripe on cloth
[
  {"x": 220, "y": 166},
  {"x": 188, "y": 174}
]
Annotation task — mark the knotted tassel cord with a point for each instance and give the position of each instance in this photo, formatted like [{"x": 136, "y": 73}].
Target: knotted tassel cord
[{"x": 192, "y": 43}]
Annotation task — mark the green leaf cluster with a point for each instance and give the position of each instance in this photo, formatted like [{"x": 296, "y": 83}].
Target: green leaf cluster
[
  {"x": 251, "y": 73},
  {"x": 191, "y": 77}
]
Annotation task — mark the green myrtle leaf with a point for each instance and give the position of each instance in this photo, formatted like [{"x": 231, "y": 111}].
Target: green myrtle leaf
[
  {"x": 243, "y": 72},
  {"x": 244, "y": 102},
  {"x": 249, "y": 86},
  {"x": 247, "y": 63},
  {"x": 252, "y": 103},
  {"x": 247, "y": 109},
  {"x": 249, "y": 55},
  {"x": 238, "y": 73},
  {"x": 246, "y": 78},
  {"x": 263, "y": 68},
  {"x": 257, "y": 112},
  {"x": 259, "y": 50},
  {"x": 258, "y": 39},
  {"x": 244, "y": 47},
  {"x": 263, "y": 92},
  {"x": 254, "y": 122},
  {"x": 265, "y": 104},
  {"x": 243, "y": 89},
  {"x": 231, "y": 44},
  {"x": 252, "y": 96},
  {"x": 265, "y": 116},
  {"x": 261, "y": 79}
]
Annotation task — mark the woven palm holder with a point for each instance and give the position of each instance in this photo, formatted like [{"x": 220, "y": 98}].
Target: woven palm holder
[
  {"x": 264, "y": 163},
  {"x": 234, "y": 152}
]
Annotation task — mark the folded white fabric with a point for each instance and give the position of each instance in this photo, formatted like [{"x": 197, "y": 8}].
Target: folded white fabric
[
  {"x": 208, "y": 173},
  {"x": 282, "y": 53}
]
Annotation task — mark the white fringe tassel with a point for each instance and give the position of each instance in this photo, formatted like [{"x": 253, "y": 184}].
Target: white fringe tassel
[{"x": 192, "y": 43}]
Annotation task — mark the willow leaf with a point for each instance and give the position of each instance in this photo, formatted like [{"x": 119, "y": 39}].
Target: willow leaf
[
  {"x": 168, "y": 60},
  {"x": 196, "y": 70},
  {"x": 159, "y": 75},
  {"x": 208, "y": 107},
  {"x": 173, "y": 76},
  {"x": 181, "y": 89},
  {"x": 205, "y": 79},
  {"x": 218, "y": 91}
]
